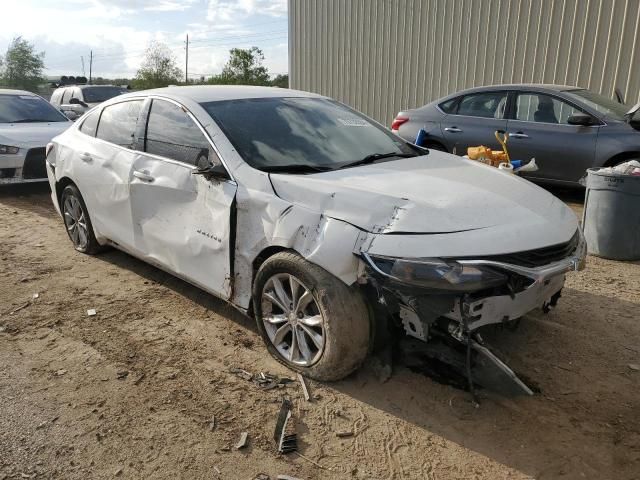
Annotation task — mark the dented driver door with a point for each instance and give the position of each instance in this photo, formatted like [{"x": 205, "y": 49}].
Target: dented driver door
[{"x": 181, "y": 221}]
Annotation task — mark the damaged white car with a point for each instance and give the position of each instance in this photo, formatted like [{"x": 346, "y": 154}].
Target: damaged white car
[{"x": 328, "y": 228}]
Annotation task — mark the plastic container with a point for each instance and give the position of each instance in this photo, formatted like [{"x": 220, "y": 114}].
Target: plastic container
[{"x": 611, "y": 218}]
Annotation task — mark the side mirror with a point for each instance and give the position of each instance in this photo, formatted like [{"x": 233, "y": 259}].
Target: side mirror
[
  {"x": 212, "y": 170},
  {"x": 74, "y": 101},
  {"x": 580, "y": 119}
]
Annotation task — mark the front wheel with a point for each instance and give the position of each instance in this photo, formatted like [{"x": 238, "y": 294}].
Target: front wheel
[{"x": 310, "y": 321}]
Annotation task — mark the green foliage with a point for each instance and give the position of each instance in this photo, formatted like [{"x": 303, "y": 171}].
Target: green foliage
[
  {"x": 158, "y": 69},
  {"x": 281, "y": 81},
  {"x": 22, "y": 66},
  {"x": 243, "y": 68}
]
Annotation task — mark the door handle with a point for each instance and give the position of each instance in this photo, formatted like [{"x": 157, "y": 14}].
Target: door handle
[
  {"x": 143, "y": 175},
  {"x": 85, "y": 157},
  {"x": 452, "y": 129},
  {"x": 519, "y": 135}
]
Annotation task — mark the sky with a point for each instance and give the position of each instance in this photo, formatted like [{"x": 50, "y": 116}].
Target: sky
[{"x": 118, "y": 31}]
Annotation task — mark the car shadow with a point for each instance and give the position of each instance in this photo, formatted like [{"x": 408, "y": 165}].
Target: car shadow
[
  {"x": 582, "y": 424},
  {"x": 33, "y": 197}
]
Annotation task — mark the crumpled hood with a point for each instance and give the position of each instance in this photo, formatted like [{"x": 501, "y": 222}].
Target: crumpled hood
[
  {"x": 27, "y": 135},
  {"x": 432, "y": 194}
]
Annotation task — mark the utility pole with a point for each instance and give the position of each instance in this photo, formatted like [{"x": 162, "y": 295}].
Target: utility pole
[
  {"x": 90, "y": 65},
  {"x": 186, "y": 63},
  {"x": 82, "y": 60}
]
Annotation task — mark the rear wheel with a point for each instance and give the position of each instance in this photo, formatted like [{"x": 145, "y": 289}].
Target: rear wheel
[
  {"x": 310, "y": 320},
  {"x": 77, "y": 221}
]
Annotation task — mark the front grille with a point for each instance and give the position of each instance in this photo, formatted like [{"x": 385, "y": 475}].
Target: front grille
[
  {"x": 538, "y": 257},
  {"x": 34, "y": 164}
]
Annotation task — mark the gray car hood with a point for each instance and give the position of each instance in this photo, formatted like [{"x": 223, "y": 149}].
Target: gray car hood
[
  {"x": 27, "y": 135},
  {"x": 433, "y": 194}
]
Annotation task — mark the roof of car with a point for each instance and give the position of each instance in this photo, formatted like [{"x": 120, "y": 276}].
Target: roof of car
[
  {"x": 212, "y": 93},
  {"x": 11, "y": 91},
  {"x": 520, "y": 86}
]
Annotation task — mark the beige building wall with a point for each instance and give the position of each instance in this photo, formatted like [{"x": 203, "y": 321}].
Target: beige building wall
[{"x": 382, "y": 56}]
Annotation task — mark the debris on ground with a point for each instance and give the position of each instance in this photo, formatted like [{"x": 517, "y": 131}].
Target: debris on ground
[
  {"x": 263, "y": 380},
  {"x": 35, "y": 295},
  {"x": 91, "y": 312},
  {"x": 122, "y": 374},
  {"x": 243, "y": 442},
  {"x": 344, "y": 434},
  {"x": 212, "y": 423},
  {"x": 60, "y": 372},
  {"x": 15, "y": 310},
  {"x": 633, "y": 366},
  {"x": 285, "y": 433},
  {"x": 262, "y": 476},
  {"x": 305, "y": 391},
  {"x": 286, "y": 477},
  {"x": 139, "y": 378}
]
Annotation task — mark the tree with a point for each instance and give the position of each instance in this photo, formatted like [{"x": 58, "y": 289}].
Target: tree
[
  {"x": 22, "y": 66},
  {"x": 158, "y": 69},
  {"x": 281, "y": 81},
  {"x": 243, "y": 68}
]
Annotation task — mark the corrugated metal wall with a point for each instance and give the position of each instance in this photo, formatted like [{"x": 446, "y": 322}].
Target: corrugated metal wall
[{"x": 382, "y": 56}]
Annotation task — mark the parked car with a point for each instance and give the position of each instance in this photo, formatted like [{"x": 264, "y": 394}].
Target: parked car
[
  {"x": 75, "y": 100},
  {"x": 311, "y": 217},
  {"x": 27, "y": 123},
  {"x": 566, "y": 129}
]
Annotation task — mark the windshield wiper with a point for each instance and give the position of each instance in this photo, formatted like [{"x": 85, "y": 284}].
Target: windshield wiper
[
  {"x": 378, "y": 156},
  {"x": 295, "y": 168}
]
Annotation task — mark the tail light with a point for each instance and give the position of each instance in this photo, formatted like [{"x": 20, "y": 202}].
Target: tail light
[
  {"x": 399, "y": 121},
  {"x": 47, "y": 149}
]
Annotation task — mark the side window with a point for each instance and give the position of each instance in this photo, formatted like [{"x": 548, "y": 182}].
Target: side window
[
  {"x": 66, "y": 96},
  {"x": 90, "y": 124},
  {"x": 118, "y": 123},
  {"x": 172, "y": 134},
  {"x": 485, "y": 104},
  {"x": 449, "y": 106},
  {"x": 536, "y": 107}
]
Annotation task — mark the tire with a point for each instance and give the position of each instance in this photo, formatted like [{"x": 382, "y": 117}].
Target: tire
[
  {"x": 345, "y": 319},
  {"x": 73, "y": 209}
]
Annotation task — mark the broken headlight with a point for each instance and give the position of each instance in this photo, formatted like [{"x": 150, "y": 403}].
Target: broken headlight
[{"x": 438, "y": 274}]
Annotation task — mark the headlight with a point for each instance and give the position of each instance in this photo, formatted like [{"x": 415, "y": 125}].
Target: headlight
[
  {"x": 438, "y": 274},
  {"x": 6, "y": 149}
]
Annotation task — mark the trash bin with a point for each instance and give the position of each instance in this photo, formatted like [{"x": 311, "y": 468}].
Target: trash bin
[{"x": 611, "y": 219}]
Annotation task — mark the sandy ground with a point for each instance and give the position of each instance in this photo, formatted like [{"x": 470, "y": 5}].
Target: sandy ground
[{"x": 130, "y": 392}]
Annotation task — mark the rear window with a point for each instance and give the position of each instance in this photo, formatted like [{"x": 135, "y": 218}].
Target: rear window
[
  {"x": 28, "y": 109},
  {"x": 101, "y": 94},
  {"x": 118, "y": 123}
]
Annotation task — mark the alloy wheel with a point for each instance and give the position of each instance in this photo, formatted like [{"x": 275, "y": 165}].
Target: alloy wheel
[
  {"x": 75, "y": 221},
  {"x": 292, "y": 320}
]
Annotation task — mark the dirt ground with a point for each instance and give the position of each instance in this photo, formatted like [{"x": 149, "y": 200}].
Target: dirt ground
[{"x": 130, "y": 392}]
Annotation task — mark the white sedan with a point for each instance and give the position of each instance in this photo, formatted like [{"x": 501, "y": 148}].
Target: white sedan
[
  {"x": 318, "y": 221},
  {"x": 27, "y": 123}
]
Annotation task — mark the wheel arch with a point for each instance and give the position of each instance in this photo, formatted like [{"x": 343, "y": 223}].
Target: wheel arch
[
  {"x": 61, "y": 185},
  {"x": 620, "y": 157}
]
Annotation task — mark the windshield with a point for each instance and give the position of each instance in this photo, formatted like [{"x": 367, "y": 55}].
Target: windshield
[
  {"x": 606, "y": 106},
  {"x": 27, "y": 109},
  {"x": 276, "y": 133},
  {"x": 101, "y": 94}
]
